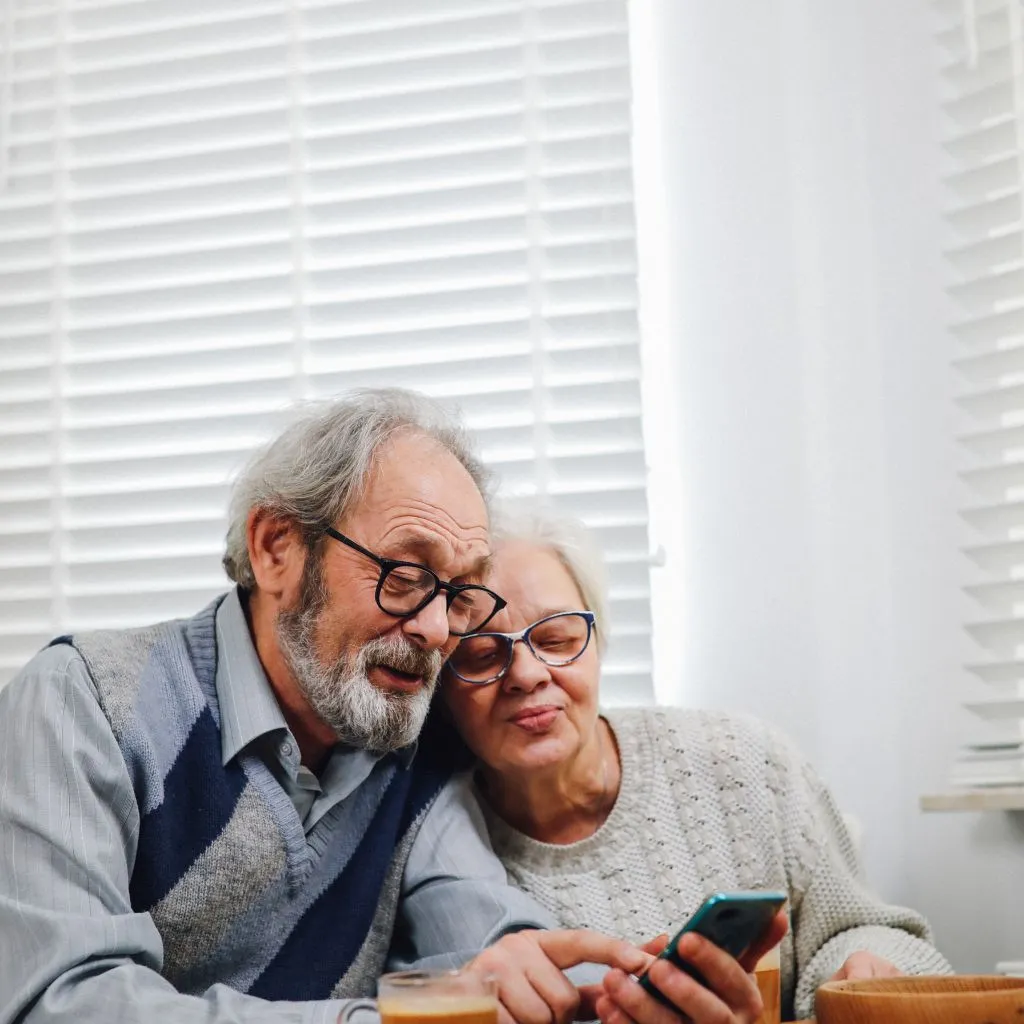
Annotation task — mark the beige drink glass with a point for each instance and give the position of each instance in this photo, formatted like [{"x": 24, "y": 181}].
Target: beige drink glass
[
  {"x": 769, "y": 983},
  {"x": 437, "y": 997}
]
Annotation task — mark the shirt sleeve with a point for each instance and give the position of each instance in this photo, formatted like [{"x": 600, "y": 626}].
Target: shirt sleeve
[
  {"x": 456, "y": 896},
  {"x": 834, "y": 914},
  {"x": 71, "y": 947}
]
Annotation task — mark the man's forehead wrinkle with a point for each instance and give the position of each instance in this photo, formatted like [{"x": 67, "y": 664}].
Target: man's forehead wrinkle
[
  {"x": 465, "y": 549},
  {"x": 412, "y": 512},
  {"x": 411, "y": 533}
]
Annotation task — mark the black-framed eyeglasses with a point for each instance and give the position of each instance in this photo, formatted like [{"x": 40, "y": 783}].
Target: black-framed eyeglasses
[
  {"x": 404, "y": 588},
  {"x": 556, "y": 640}
]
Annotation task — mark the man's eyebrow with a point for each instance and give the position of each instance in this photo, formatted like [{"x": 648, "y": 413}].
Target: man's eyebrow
[{"x": 481, "y": 568}]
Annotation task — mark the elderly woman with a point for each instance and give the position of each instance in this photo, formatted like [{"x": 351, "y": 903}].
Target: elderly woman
[{"x": 625, "y": 820}]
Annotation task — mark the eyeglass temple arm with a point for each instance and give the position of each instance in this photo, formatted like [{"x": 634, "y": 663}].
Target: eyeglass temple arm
[{"x": 353, "y": 545}]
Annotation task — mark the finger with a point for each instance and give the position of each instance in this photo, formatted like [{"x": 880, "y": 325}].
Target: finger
[
  {"x": 656, "y": 945},
  {"x": 880, "y": 968},
  {"x": 504, "y": 1017},
  {"x": 723, "y": 974},
  {"x": 866, "y": 965},
  {"x": 853, "y": 968},
  {"x": 557, "y": 991},
  {"x": 524, "y": 1006},
  {"x": 772, "y": 937},
  {"x": 609, "y": 1013},
  {"x": 850, "y": 970},
  {"x": 569, "y": 948},
  {"x": 847, "y": 971},
  {"x": 517, "y": 994},
  {"x": 636, "y": 1004},
  {"x": 698, "y": 1003}
]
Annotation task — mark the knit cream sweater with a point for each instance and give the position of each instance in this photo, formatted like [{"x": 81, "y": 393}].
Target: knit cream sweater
[{"x": 710, "y": 802}]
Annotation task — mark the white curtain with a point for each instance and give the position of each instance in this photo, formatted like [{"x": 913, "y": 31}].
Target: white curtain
[{"x": 212, "y": 208}]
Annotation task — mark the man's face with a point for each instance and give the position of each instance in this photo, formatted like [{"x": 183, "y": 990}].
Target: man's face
[{"x": 367, "y": 674}]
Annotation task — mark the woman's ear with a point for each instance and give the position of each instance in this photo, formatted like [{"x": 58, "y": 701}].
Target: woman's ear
[{"x": 277, "y": 554}]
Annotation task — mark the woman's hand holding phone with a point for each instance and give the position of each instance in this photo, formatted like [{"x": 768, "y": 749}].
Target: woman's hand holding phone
[{"x": 729, "y": 995}]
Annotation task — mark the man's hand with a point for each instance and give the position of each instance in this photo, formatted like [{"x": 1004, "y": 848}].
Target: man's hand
[
  {"x": 731, "y": 995},
  {"x": 863, "y": 964},
  {"x": 528, "y": 967}
]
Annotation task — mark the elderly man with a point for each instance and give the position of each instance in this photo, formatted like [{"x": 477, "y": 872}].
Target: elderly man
[{"x": 215, "y": 819}]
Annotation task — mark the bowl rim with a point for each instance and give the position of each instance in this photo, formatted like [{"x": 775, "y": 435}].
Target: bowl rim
[{"x": 846, "y": 986}]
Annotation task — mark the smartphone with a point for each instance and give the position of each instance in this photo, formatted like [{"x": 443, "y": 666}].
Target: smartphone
[{"x": 733, "y": 921}]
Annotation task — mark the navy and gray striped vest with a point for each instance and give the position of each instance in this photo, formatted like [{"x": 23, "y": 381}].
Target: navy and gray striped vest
[{"x": 239, "y": 894}]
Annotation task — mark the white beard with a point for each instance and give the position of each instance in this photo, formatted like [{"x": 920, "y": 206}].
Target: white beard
[{"x": 362, "y": 715}]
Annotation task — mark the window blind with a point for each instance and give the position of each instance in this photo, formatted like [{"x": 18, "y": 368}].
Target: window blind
[
  {"x": 212, "y": 208},
  {"x": 983, "y": 77}
]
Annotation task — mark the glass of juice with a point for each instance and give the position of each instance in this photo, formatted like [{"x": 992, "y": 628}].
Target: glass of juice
[
  {"x": 768, "y": 982},
  {"x": 437, "y": 997}
]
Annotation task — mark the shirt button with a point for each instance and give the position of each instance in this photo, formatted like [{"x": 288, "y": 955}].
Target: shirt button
[{"x": 287, "y": 749}]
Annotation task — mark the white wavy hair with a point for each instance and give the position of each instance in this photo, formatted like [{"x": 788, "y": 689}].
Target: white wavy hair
[
  {"x": 318, "y": 467},
  {"x": 534, "y": 521}
]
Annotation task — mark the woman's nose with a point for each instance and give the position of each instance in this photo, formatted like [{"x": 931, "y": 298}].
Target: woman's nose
[{"x": 526, "y": 672}]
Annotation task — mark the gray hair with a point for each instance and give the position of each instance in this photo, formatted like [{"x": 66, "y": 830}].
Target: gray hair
[
  {"x": 533, "y": 521},
  {"x": 314, "y": 471}
]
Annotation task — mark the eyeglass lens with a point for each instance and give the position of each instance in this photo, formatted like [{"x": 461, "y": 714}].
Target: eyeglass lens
[
  {"x": 406, "y": 588},
  {"x": 555, "y": 641}
]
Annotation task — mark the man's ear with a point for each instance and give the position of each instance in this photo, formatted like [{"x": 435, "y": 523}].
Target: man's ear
[{"x": 276, "y": 552}]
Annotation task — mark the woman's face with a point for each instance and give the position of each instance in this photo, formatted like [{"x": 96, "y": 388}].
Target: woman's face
[{"x": 536, "y": 715}]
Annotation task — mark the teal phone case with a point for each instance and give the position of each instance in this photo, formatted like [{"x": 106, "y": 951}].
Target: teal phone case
[{"x": 733, "y": 921}]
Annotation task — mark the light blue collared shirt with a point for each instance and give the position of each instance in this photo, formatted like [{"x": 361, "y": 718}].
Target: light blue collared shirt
[
  {"x": 250, "y": 716},
  {"x": 72, "y": 949}
]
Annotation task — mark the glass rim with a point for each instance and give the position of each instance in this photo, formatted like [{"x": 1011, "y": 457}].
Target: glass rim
[
  {"x": 422, "y": 976},
  {"x": 432, "y": 984}
]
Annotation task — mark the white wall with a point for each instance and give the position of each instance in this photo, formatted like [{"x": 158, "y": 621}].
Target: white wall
[{"x": 818, "y": 535}]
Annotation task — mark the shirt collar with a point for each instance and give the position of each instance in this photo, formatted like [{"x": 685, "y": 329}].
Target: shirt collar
[{"x": 248, "y": 706}]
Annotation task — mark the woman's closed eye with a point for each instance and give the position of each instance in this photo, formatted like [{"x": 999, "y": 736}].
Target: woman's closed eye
[
  {"x": 555, "y": 643},
  {"x": 481, "y": 652}
]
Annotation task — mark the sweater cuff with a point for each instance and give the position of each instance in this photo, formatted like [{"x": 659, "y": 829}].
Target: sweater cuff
[{"x": 903, "y": 950}]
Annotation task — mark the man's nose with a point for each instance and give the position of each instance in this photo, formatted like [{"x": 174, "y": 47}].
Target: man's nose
[{"x": 428, "y": 628}]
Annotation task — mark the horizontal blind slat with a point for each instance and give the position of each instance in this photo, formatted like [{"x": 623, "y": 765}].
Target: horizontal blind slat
[
  {"x": 423, "y": 222},
  {"x": 1011, "y": 671}
]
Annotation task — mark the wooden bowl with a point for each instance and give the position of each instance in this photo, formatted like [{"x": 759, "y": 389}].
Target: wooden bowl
[{"x": 949, "y": 999}]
